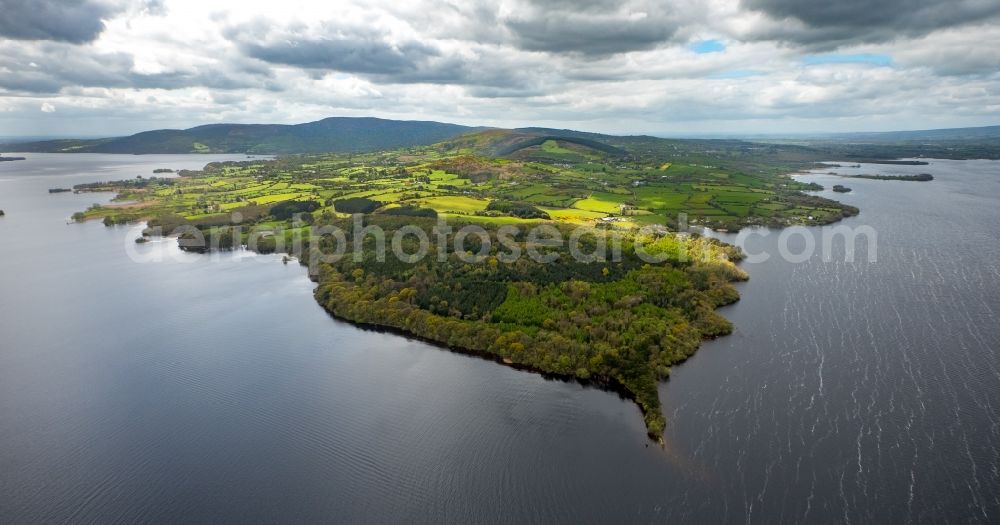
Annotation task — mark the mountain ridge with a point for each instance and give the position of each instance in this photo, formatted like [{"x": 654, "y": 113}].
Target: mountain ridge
[
  {"x": 369, "y": 134},
  {"x": 329, "y": 135}
]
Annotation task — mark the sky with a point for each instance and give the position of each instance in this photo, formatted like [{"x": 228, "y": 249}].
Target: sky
[{"x": 86, "y": 68}]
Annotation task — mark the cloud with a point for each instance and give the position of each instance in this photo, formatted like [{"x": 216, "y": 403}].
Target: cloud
[
  {"x": 832, "y": 24},
  {"x": 346, "y": 49},
  {"x": 75, "y": 21},
  {"x": 71, "y": 21},
  {"x": 591, "y": 27},
  {"x": 47, "y": 108},
  {"x": 379, "y": 55},
  {"x": 626, "y": 66},
  {"x": 955, "y": 52},
  {"x": 49, "y": 67}
]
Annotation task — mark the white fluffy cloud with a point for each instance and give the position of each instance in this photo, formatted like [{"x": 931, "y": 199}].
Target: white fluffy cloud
[{"x": 114, "y": 67}]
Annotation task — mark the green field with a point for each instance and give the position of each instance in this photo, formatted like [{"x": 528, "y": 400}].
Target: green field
[
  {"x": 602, "y": 202},
  {"x": 572, "y": 214},
  {"x": 465, "y": 205},
  {"x": 568, "y": 181}
]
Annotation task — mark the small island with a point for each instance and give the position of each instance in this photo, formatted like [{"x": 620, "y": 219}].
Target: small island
[
  {"x": 893, "y": 162},
  {"x": 2, "y": 213},
  {"x": 923, "y": 177},
  {"x": 163, "y": 170},
  {"x": 59, "y": 190},
  {"x": 841, "y": 189},
  {"x": 10, "y": 158}
]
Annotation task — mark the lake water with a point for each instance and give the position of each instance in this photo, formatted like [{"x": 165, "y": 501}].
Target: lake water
[{"x": 202, "y": 388}]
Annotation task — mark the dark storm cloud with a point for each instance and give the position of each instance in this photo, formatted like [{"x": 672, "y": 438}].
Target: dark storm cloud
[
  {"x": 349, "y": 50},
  {"x": 591, "y": 27},
  {"x": 75, "y": 21},
  {"x": 49, "y": 67},
  {"x": 370, "y": 54},
  {"x": 71, "y": 21},
  {"x": 349, "y": 54},
  {"x": 829, "y": 24},
  {"x": 587, "y": 37}
]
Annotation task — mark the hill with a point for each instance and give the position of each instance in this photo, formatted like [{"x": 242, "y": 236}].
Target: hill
[
  {"x": 333, "y": 135},
  {"x": 949, "y": 134},
  {"x": 528, "y": 141},
  {"x": 366, "y": 135}
]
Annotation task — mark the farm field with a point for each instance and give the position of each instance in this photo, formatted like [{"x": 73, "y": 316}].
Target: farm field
[{"x": 552, "y": 180}]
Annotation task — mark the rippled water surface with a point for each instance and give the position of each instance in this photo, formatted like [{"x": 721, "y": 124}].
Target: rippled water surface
[{"x": 204, "y": 388}]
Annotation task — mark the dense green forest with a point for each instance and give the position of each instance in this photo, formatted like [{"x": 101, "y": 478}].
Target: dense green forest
[{"x": 621, "y": 324}]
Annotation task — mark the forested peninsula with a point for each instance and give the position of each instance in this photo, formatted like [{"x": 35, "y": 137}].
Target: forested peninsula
[
  {"x": 641, "y": 299},
  {"x": 621, "y": 324}
]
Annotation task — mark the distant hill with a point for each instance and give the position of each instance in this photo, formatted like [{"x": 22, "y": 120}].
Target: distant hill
[
  {"x": 347, "y": 134},
  {"x": 505, "y": 142},
  {"x": 335, "y": 135},
  {"x": 950, "y": 134}
]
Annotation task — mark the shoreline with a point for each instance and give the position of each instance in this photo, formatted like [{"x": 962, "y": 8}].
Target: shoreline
[
  {"x": 601, "y": 382},
  {"x": 640, "y": 388}
]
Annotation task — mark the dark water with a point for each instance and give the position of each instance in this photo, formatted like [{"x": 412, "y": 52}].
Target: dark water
[{"x": 214, "y": 389}]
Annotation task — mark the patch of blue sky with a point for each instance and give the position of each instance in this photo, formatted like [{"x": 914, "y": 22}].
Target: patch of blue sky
[
  {"x": 837, "y": 58},
  {"x": 707, "y": 46},
  {"x": 736, "y": 73}
]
